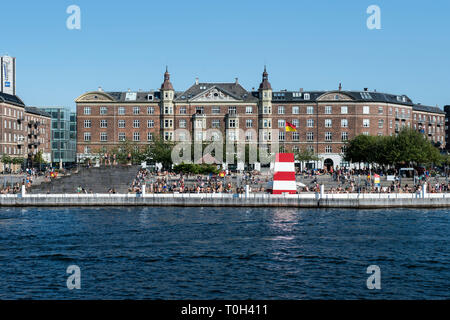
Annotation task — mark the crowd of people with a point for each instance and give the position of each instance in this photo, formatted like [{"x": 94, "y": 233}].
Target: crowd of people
[{"x": 339, "y": 181}]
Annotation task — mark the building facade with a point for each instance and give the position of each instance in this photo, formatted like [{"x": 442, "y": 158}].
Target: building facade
[
  {"x": 325, "y": 120},
  {"x": 446, "y": 126},
  {"x": 63, "y": 135},
  {"x": 37, "y": 134},
  {"x": 24, "y": 131}
]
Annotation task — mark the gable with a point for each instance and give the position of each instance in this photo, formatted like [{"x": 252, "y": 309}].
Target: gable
[
  {"x": 214, "y": 94},
  {"x": 334, "y": 96},
  {"x": 94, "y": 97}
]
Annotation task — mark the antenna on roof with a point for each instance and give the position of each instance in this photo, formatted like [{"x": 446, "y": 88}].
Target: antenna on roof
[
  {"x": 340, "y": 86},
  {"x": 196, "y": 80}
]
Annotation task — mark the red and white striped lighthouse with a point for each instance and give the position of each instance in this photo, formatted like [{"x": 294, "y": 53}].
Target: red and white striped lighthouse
[{"x": 284, "y": 174}]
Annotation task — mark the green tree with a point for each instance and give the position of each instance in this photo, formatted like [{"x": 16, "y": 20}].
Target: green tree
[
  {"x": 160, "y": 151},
  {"x": 305, "y": 155}
]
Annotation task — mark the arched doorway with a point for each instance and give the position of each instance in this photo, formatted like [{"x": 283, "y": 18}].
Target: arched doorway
[{"x": 328, "y": 164}]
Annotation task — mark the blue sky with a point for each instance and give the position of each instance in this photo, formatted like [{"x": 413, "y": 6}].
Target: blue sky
[{"x": 306, "y": 44}]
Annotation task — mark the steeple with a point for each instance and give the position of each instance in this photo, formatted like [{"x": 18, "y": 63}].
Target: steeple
[
  {"x": 167, "y": 85},
  {"x": 265, "y": 84}
]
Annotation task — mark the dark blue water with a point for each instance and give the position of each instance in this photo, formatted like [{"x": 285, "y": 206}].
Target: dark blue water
[{"x": 223, "y": 253}]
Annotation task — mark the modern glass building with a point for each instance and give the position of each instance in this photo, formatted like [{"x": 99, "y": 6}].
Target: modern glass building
[{"x": 63, "y": 135}]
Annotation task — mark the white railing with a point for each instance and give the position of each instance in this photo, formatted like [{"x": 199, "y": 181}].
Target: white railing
[{"x": 300, "y": 196}]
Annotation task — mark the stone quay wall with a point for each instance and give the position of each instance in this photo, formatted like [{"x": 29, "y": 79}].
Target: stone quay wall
[{"x": 303, "y": 200}]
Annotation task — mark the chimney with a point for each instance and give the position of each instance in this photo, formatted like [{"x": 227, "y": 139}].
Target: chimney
[
  {"x": 129, "y": 90},
  {"x": 301, "y": 90},
  {"x": 340, "y": 86},
  {"x": 366, "y": 89},
  {"x": 196, "y": 80},
  {"x": 236, "y": 82},
  {"x": 100, "y": 89}
]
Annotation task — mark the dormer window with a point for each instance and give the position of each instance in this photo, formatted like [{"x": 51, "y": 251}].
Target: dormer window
[
  {"x": 150, "y": 97},
  {"x": 306, "y": 96}
]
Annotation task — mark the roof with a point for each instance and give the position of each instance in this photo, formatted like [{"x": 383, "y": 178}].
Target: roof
[
  {"x": 234, "y": 89},
  {"x": 130, "y": 96},
  {"x": 419, "y": 107},
  {"x": 11, "y": 99},
  {"x": 357, "y": 96},
  {"x": 37, "y": 111}
]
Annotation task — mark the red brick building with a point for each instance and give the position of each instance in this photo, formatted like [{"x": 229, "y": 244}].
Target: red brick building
[
  {"x": 325, "y": 120},
  {"x": 24, "y": 131}
]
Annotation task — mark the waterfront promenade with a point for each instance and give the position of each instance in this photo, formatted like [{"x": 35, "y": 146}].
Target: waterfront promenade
[{"x": 302, "y": 200}]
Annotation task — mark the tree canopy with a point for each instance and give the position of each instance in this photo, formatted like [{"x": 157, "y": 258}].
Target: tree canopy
[{"x": 409, "y": 147}]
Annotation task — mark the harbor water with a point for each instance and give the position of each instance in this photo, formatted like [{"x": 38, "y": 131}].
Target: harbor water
[{"x": 223, "y": 253}]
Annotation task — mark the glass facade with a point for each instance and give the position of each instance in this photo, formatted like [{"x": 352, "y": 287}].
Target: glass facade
[{"x": 63, "y": 135}]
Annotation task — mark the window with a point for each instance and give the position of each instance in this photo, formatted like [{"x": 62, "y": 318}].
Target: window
[
  {"x": 281, "y": 123},
  {"x": 295, "y": 136},
  {"x": 87, "y": 110},
  {"x": 267, "y": 123},
  {"x": 328, "y": 136},
  {"x": 103, "y": 136},
  {"x": 86, "y": 149},
  {"x": 249, "y": 123},
  {"x": 310, "y": 123},
  {"x": 135, "y": 123},
  {"x": 295, "y": 110},
  {"x": 103, "y": 124},
  {"x": 136, "y": 136},
  {"x": 182, "y": 123},
  {"x": 232, "y": 136},
  {"x": 281, "y": 136},
  {"x": 249, "y": 136},
  {"x": 306, "y": 96},
  {"x": 232, "y": 110},
  {"x": 149, "y": 136},
  {"x": 328, "y": 149},
  {"x": 87, "y": 123},
  {"x": 121, "y": 123},
  {"x": 150, "y": 110},
  {"x": 296, "y": 122},
  {"x": 310, "y": 110},
  {"x": 168, "y": 109},
  {"x": 199, "y": 110},
  {"x": 231, "y": 123},
  {"x": 215, "y": 124},
  {"x": 121, "y": 136},
  {"x": 103, "y": 110},
  {"x": 366, "y": 109},
  {"x": 280, "y": 110},
  {"x": 168, "y": 123},
  {"x": 366, "y": 123},
  {"x": 267, "y": 110},
  {"x": 344, "y": 136},
  {"x": 381, "y": 123},
  {"x": 150, "y": 123},
  {"x": 87, "y": 136},
  {"x": 380, "y": 110},
  {"x": 344, "y": 123},
  {"x": 249, "y": 110},
  {"x": 328, "y": 109},
  {"x": 182, "y": 110},
  {"x": 344, "y": 110},
  {"x": 328, "y": 123},
  {"x": 310, "y": 136},
  {"x": 136, "y": 110},
  {"x": 121, "y": 110},
  {"x": 215, "y": 110},
  {"x": 390, "y": 124}
]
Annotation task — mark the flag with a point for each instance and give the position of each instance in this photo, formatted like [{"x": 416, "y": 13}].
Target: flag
[{"x": 290, "y": 127}]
